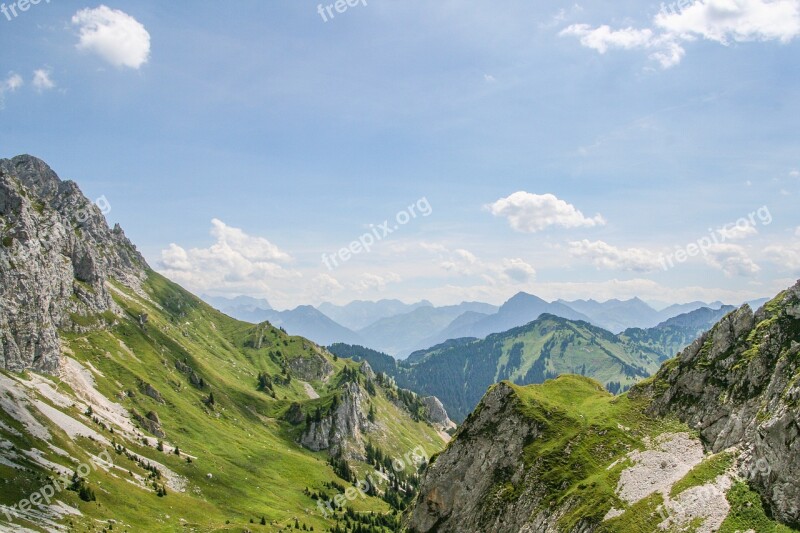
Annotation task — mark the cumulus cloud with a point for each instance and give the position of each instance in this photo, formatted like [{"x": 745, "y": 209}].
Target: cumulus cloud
[
  {"x": 13, "y": 82},
  {"x": 10, "y": 84},
  {"x": 518, "y": 271},
  {"x": 785, "y": 256},
  {"x": 722, "y": 21},
  {"x": 735, "y": 232},
  {"x": 114, "y": 35},
  {"x": 731, "y": 259},
  {"x": 529, "y": 213},
  {"x": 604, "y": 255},
  {"x": 236, "y": 262},
  {"x": 725, "y": 21},
  {"x": 42, "y": 80},
  {"x": 603, "y": 38},
  {"x": 461, "y": 262}
]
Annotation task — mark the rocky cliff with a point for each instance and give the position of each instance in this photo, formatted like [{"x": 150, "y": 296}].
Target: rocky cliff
[
  {"x": 57, "y": 257},
  {"x": 710, "y": 443},
  {"x": 739, "y": 385}
]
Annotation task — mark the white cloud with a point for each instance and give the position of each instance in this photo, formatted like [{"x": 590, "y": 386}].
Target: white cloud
[
  {"x": 42, "y": 80},
  {"x": 518, "y": 271},
  {"x": 13, "y": 82},
  {"x": 797, "y": 232},
  {"x": 603, "y": 38},
  {"x": 604, "y": 255},
  {"x": 529, "y": 213},
  {"x": 10, "y": 84},
  {"x": 731, "y": 259},
  {"x": 735, "y": 232},
  {"x": 722, "y": 21},
  {"x": 794, "y": 174},
  {"x": 787, "y": 256},
  {"x": 114, "y": 35},
  {"x": 488, "y": 78},
  {"x": 235, "y": 263}
]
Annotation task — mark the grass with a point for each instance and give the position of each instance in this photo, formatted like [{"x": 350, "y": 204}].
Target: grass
[
  {"x": 247, "y": 463},
  {"x": 705, "y": 472},
  {"x": 577, "y": 414},
  {"x": 747, "y": 513}
]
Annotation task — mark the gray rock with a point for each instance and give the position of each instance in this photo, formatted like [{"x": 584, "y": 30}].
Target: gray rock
[
  {"x": 341, "y": 432},
  {"x": 738, "y": 386},
  {"x": 435, "y": 412},
  {"x": 57, "y": 254}
]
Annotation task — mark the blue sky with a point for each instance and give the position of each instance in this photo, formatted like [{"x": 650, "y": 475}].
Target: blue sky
[{"x": 563, "y": 149}]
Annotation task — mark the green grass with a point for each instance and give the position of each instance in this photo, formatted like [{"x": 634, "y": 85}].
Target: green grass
[
  {"x": 577, "y": 414},
  {"x": 747, "y": 513},
  {"x": 256, "y": 466},
  {"x": 705, "y": 472}
]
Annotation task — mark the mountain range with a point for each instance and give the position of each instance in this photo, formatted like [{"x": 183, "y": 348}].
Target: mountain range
[
  {"x": 459, "y": 371},
  {"x": 710, "y": 443},
  {"x": 392, "y": 327},
  {"x": 129, "y": 404}
]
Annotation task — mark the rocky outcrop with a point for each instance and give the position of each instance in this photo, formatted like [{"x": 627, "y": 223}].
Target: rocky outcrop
[
  {"x": 739, "y": 385},
  {"x": 435, "y": 412},
  {"x": 342, "y": 430},
  {"x": 464, "y": 489},
  {"x": 152, "y": 392},
  {"x": 56, "y": 255},
  {"x": 150, "y": 423},
  {"x": 311, "y": 368}
]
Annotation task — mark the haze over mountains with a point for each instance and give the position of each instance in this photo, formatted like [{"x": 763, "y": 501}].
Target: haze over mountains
[{"x": 398, "y": 329}]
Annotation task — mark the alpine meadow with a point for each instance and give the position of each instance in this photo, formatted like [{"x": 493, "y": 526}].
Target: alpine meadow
[{"x": 400, "y": 267}]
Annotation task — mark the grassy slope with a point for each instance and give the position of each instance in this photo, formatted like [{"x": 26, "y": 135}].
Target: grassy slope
[
  {"x": 545, "y": 348},
  {"x": 256, "y": 468},
  {"x": 599, "y": 429}
]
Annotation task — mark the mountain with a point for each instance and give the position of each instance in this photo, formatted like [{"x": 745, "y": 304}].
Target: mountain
[
  {"x": 459, "y": 372},
  {"x": 675, "y": 334},
  {"x": 245, "y": 308},
  {"x": 616, "y": 315},
  {"x": 308, "y": 322},
  {"x": 304, "y": 320},
  {"x": 129, "y": 404},
  {"x": 517, "y": 311},
  {"x": 710, "y": 443},
  {"x": 359, "y": 314},
  {"x": 400, "y": 335}
]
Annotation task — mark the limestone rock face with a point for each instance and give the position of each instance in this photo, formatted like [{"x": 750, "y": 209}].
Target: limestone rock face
[
  {"x": 314, "y": 367},
  {"x": 458, "y": 491},
  {"x": 436, "y": 413},
  {"x": 57, "y": 254},
  {"x": 738, "y": 385},
  {"x": 341, "y": 431}
]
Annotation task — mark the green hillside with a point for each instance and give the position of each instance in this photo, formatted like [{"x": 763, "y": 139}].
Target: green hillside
[
  {"x": 216, "y": 409},
  {"x": 550, "y": 346}
]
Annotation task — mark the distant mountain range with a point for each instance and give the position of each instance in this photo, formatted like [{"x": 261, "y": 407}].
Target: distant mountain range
[
  {"x": 359, "y": 314},
  {"x": 399, "y": 329},
  {"x": 458, "y": 371}
]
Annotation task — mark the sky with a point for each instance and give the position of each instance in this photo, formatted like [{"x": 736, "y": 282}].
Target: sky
[{"x": 449, "y": 150}]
